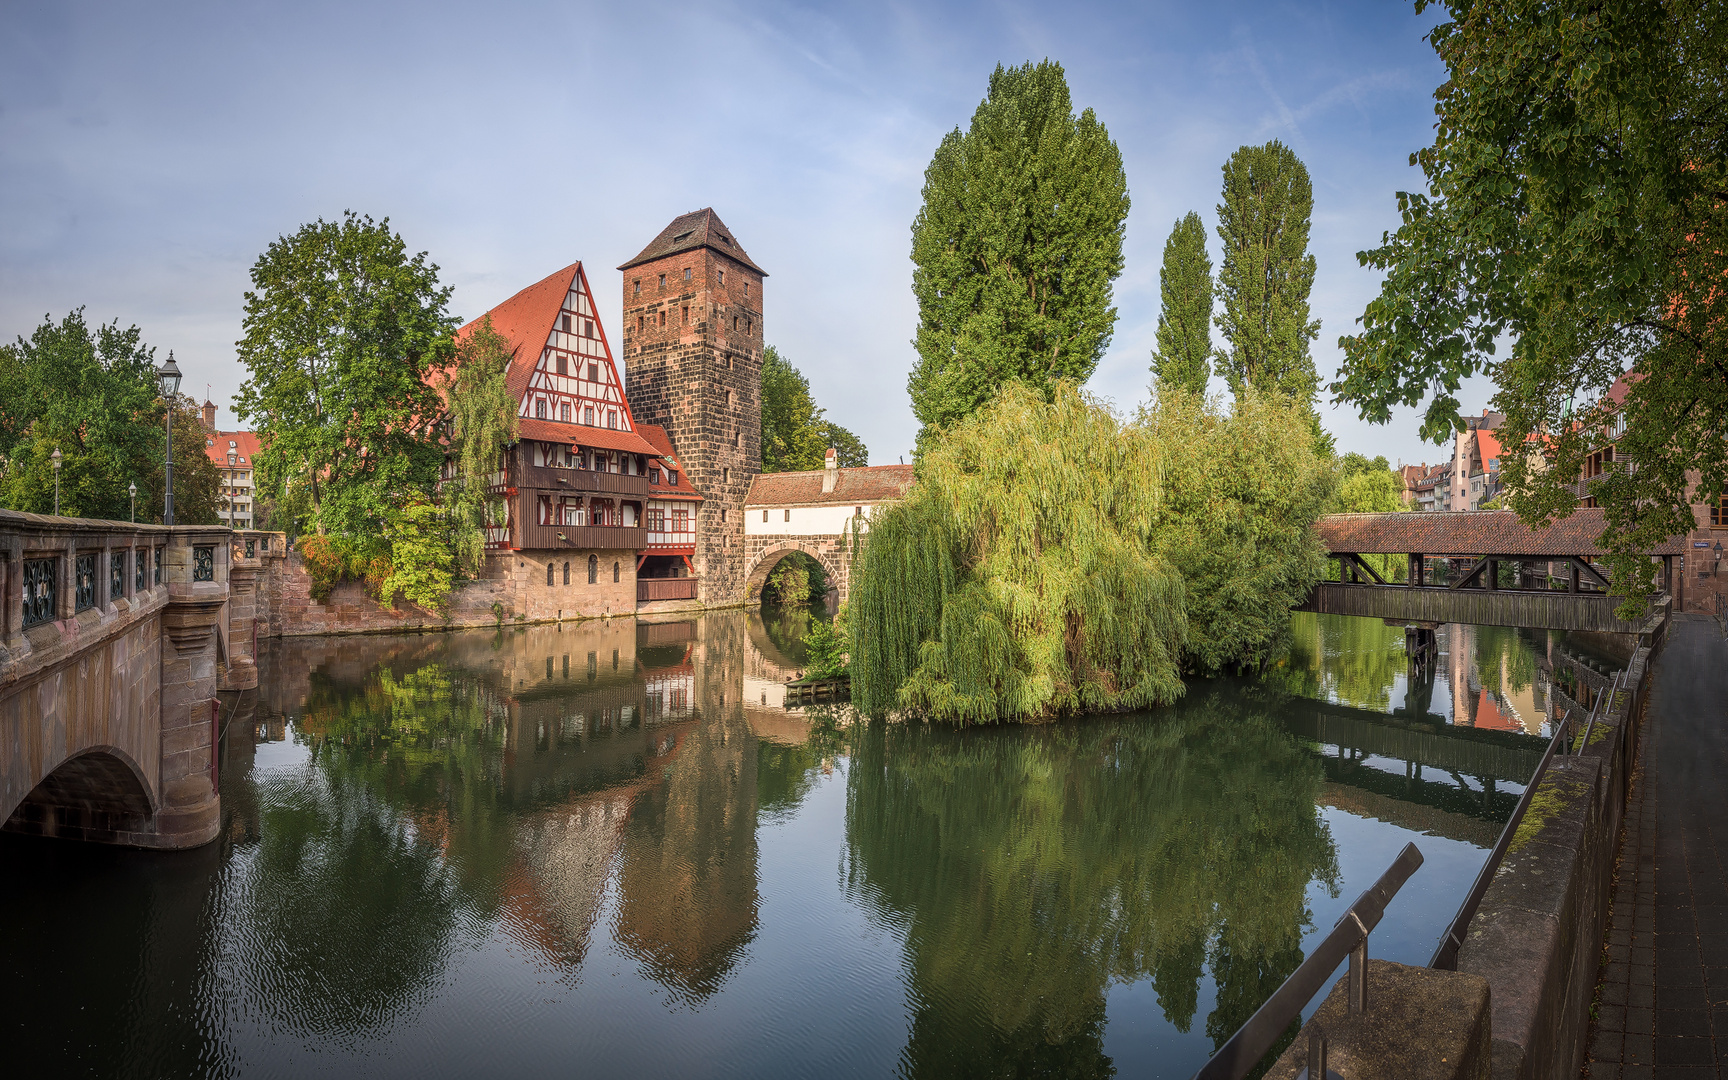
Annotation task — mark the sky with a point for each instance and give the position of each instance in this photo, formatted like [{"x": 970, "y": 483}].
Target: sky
[{"x": 149, "y": 153}]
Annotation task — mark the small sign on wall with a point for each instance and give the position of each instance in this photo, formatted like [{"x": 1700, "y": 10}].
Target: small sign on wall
[{"x": 1701, "y": 543}]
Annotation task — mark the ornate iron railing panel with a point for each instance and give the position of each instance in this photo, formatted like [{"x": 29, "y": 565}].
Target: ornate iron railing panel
[
  {"x": 84, "y": 582},
  {"x": 204, "y": 563},
  {"x": 116, "y": 575},
  {"x": 41, "y": 588}
]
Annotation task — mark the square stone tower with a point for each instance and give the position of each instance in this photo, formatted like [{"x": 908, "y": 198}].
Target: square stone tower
[{"x": 693, "y": 363}]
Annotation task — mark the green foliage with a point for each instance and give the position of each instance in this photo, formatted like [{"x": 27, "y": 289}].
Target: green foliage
[
  {"x": 1267, "y": 273},
  {"x": 92, "y": 395},
  {"x": 1574, "y": 204},
  {"x": 482, "y": 422},
  {"x": 1015, "y": 248},
  {"x": 331, "y": 560},
  {"x": 342, "y": 331},
  {"x": 1372, "y": 487},
  {"x": 1340, "y": 658},
  {"x": 1242, "y": 491},
  {"x": 422, "y": 558},
  {"x": 788, "y": 583},
  {"x": 795, "y": 437},
  {"x": 1017, "y": 580},
  {"x": 1183, "y": 358},
  {"x": 850, "y": 452},
  {"x": 826, "y": 647}
]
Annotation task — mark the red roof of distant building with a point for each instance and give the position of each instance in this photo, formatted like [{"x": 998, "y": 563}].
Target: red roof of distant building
[
  {"x": 245, "y": 447},
  {"x": 1487, "y": 446},
  {"x": 873, "y": 484}
]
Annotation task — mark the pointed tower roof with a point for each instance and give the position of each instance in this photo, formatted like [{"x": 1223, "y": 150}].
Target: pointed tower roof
[{"x": 697, "y": 229}]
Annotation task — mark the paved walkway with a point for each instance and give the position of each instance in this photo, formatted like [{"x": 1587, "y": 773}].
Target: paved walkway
[{"x": 1664, "y": 997}]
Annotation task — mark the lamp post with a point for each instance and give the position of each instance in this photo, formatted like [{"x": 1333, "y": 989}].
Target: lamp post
[
  {"x": 168, "y": 377},
  {"x": 132, "y": 490},
  {"x": 55, "y": 458}
]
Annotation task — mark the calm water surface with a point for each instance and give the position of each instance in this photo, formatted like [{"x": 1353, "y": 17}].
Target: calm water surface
[{"x": 608, "y": 849}]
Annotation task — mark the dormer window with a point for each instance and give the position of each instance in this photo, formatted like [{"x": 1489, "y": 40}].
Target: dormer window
[{"x": 671, "y": 477}]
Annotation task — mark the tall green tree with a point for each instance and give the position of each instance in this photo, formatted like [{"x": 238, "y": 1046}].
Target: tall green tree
[
  {"x": 1183, "y": 358},
  {"x": 92, "y": 395},
  {"x": 342, "y": 329},
  {"x": 1576, "y": 203},
  {"x": 1015, "y": 248},
  {"x": 482, "y": 417},
  {"x": 1267, "y": 273},
  {"x": 794, "y": 434}
]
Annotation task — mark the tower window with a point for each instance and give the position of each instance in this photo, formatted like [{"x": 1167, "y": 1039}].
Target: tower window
[
  {"x": 728, "y": 399},
  {"x": 788, "y": 515},
  {"x": 686, "y": 314},
  {"x": 662, "y": 281},
  {"x": 686, "y": 273},
  {"x": 564, "y": 323},
  {"x": 614, "y": 651},
  {"x": 722, "y": 517},
  {"x": 749, "y": 326},
  {"x": 561, "y": 365},
  {"x": 722, "y": 277},
  {"x": 734, "y": 322},
  {"x": 548, "y": 581},
  {"x": 662, "y": 318},
  {"x": 638, "y": 287},
  {"x": 638, "y": 324},
  {"x": 593, "y": 372},
  {"x": 746, "y": 288},
  {"x": 566, "y": 581},
  {"x": 725, "y": 478},
  {"x": 593, "y": 576}
]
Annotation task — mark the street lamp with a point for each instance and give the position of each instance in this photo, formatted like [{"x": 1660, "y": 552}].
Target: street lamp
[
  {"x": 132, "y": 490},
  {"x": 168, "y": 377},
  {"x": 55, "y": 458}
]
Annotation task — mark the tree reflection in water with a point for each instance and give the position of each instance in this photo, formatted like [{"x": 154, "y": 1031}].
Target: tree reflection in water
[{"x": 1033, "y": 869}]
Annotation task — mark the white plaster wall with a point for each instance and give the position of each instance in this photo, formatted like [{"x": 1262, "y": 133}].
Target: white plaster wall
[{"x": 806, "y": 520}]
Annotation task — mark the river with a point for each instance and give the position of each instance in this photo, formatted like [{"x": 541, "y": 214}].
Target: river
[{"x": 607, "y": 849}]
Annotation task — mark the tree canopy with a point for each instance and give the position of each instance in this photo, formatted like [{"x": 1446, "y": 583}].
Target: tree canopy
[
  {"x": 1267, "y": 273},
  {"x": 1576, "y": 207},
  {"x": 794, "y": 434},
  {"x": 342, "y": 329},
  {"x": 92, "y": 394},
  {"x": 1015, "y": 248},
  {"x": 1183, "y": 357}
]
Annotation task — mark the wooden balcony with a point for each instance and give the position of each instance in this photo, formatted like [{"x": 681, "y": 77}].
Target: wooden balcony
[
  {"x": 674, "y": 588},
  {"x": 533, "y": 537},
  {"x": 579, "y": 481}
]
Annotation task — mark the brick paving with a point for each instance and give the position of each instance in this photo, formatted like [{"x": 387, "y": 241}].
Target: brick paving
[{"x": 1663, "y": 998}]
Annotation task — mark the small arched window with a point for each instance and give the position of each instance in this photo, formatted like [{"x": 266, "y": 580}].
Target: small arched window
[
  {"x": 566, "y": 573},
  {"x": 593, "y": 569},
  {"x": 548, "y": 573},
  {"x": 614, "y": 572}
]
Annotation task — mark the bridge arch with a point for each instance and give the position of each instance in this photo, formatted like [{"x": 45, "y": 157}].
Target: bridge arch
[
  {"x": 99, "y": 793},
  {"x": 771, "y": 556}
]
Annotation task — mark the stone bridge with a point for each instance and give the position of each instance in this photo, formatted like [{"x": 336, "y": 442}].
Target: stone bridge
[
  {"x": 1480, "y": 567},
  {"x": 821, "y": 513},
  {"x": 115, "y": 640}
]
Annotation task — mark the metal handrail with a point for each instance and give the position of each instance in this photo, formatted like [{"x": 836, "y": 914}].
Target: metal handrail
[
  {"x": 1349, "y": 938},
  {"x": 1445, "y": 955}
]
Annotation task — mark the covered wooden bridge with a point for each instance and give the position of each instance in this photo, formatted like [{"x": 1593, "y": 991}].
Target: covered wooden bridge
[{"x": 1481, "y": 567}]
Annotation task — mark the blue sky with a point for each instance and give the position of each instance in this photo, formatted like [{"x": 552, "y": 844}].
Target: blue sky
[{"x": 150, "y": 152}]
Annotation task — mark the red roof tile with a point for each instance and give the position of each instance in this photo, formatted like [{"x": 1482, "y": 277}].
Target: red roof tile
[
  {"x": 525, "y": 321},
  {"x": 874, "y": 484},
  {"x": 1469, "y": 532},
  {"x": 246, "y": 447},
  {"x": 556, "y": 431}
]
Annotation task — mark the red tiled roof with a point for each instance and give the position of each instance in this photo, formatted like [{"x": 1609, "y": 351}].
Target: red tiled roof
[
  {"x": 657, "y": 437},
  {"x": 556, "y": 431},
  {"x": 1487, "y": 447},
  {"x": 874, "y": 484},
  {"x": 246, "y": 447},
  {"x": 697, "y": 229},
  {"x": 1469, "y": 532},
  {"x": 525, "y": 321}
]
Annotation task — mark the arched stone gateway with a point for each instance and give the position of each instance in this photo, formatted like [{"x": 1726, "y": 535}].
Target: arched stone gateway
[{"x": 765, "y": 553}]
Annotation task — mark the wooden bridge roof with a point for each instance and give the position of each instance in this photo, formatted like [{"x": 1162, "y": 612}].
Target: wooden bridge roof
[{"x": 1469, "y": 532}]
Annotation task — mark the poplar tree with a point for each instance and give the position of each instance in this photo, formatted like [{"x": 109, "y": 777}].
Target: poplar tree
[
  {"x": 1267, "y": 273},
  {"x": 1015, "y": 248},
  {"x": 1182, "y": 360}
]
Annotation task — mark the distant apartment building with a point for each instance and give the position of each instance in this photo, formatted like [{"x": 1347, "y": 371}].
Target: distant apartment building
[
  {"x": 1420, "y": 485},
  {"x": 232, "y": 452}
]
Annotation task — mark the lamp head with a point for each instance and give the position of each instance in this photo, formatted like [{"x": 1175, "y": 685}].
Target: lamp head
[
  {"x": 55, "y": 458},
  {"x": 168, "y": 375},
  {"x": 132, "y": 489}
]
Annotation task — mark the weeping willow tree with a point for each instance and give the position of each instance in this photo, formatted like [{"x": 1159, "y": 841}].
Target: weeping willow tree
[
  {"x": 482, "y": 415},
  {"x": 1018, "y": 579}
]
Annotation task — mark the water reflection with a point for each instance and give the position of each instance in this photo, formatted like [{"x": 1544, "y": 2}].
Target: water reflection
[{"x": 481, "y": 852}]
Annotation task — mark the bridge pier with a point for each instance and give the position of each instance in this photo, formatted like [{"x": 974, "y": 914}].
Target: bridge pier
[{"x": 113, "y": 634}]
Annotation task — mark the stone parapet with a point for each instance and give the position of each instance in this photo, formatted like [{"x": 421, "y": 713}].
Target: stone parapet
[{"x": 1420, "y": 1024}]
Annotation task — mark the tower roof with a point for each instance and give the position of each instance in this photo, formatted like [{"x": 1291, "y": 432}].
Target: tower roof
[{"x": 697, "y": 229}]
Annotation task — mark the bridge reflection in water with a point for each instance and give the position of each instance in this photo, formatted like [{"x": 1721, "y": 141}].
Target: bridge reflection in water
[{"x": 482, "y": 852}]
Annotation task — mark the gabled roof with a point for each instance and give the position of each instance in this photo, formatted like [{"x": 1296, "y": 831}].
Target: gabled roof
[
  {"x": 1470, "y": 532},
  {"x": 525, "y": 320},
  {"x": 657, "y": 437},
  {"x": 697, "y": 229},
  {"x": 246, "y": 447},
  {"x": 877, "y": 483}
]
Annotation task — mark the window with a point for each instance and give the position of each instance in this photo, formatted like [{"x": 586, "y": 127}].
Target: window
[
  {"x": 722, "y": 516},
  {"x": 857, "y": 511},
  {"x": 656, "y": 520},
  {"x": 734, "y": 323},
  {"x": 662, "y": 281},
  {"x": 686, "y": 314},
  {"x": 548, "y": 580},
  {"x": 540, "y": 408},
  {"x": 564, "y": 323},
  {"x": 671, "y": 477},
  {"x": 746, "y": 288},
  {"x": 593, "y": 371},
  {"x": 564, "y": 412},
  {"x": 566, "y": 573},
  {"x": 728, "y": 399},
  {"x": 764, "y": 516},
  {"x": 562, "y": 364},
  {"x": 612, "y": 419},
  {"x": 654, "y": 476},
  {"x": 638, "y": 324},
  {"x": 637, "y": 287},
  {"x": 1719, "y": 510},
  {"x": 788, "y": 515},
  {"x": 590, "y": 327},
  {"x": 680, "y": 521},
  {"x": 588, "y": 415},
  {"x": 593, "y": 576},
  {"x": 722, "y": 277},
  {"x": 686, "y": 273},
  {"x": 662, "y": 318},
  {"x": 614, "y": 579},
  {"x": 725, "y": 476}
]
